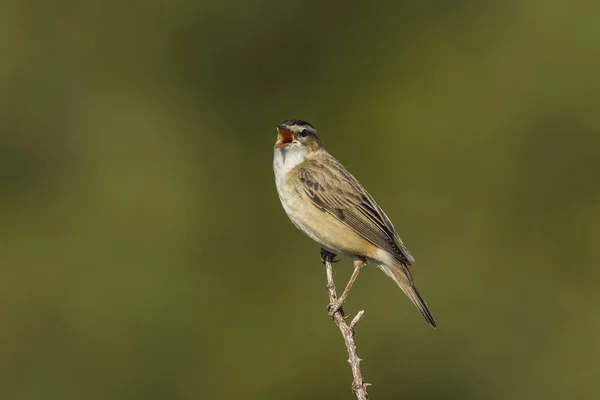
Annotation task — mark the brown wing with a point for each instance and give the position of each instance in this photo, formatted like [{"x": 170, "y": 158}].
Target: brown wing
[{"x": 334, "y": 190}]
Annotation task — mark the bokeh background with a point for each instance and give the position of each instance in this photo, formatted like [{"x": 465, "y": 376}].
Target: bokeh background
[{"x": 144, "y": 252}]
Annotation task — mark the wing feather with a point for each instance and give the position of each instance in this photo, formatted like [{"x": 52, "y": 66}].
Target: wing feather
[{"x": 334, "y": 190}]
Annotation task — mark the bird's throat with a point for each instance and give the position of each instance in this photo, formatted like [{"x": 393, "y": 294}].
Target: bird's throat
[{"x": 286, "y": 159}]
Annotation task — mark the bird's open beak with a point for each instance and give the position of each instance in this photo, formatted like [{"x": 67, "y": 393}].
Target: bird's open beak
[{"x": 284, "y": 137}]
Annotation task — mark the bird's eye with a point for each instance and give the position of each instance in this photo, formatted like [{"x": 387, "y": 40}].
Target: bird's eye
[{"x": 303, "y": 133}]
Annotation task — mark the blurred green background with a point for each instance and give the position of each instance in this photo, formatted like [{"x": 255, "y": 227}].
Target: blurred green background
[{"x": 145, "y": 254}]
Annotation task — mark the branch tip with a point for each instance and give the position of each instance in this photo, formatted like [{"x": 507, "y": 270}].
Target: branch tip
[{"x": 357, "y": 319}]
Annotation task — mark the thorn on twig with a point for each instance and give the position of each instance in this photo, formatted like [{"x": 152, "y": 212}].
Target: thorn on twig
[
  {"x": 351, "y": 361},
  {"x": 356, "y": 387}
]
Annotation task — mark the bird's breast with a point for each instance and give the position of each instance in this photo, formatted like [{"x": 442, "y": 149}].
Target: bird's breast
[{"x": 318, "y": 224}]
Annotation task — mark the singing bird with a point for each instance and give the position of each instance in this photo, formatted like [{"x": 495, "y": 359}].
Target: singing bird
[{"x": 328, "y": 204}]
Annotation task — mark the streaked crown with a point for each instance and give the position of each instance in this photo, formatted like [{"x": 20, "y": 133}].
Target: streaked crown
[{"x": 297, "y": 125}]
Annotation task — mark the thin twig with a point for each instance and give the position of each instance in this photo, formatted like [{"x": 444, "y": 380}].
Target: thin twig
[
  {"x": 359, "y": 386},
  {"x": 357, "y": 319}
]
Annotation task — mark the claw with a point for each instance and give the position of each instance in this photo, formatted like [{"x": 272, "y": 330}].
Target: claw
[
  {"x": 326, "y": 256},
  {"x": 335, "y": 307}
]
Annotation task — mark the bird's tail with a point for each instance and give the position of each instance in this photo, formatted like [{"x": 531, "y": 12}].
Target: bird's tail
[{"x": 401, "y": 275}]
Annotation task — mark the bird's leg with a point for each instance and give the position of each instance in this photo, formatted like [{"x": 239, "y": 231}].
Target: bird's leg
[{"x": 358, "y": 264}]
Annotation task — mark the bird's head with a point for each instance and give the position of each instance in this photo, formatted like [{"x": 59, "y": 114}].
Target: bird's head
[{"x": 295, "y": 133}]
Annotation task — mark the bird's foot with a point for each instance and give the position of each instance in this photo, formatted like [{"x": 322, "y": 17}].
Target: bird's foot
[
  {"x": 332, "y": 308},
  {"x": 327, "y": 256}
]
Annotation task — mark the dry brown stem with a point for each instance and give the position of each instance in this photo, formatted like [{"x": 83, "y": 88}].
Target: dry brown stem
[{"x": 359, "y": 386}]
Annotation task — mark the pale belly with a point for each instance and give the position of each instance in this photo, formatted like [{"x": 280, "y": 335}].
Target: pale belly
[
  {"x": 297, "y": 211},
  {"x": 324, "y": 228}
]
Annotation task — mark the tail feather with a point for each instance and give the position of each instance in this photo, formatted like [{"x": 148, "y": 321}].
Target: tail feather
[{"x": 401, "y": 275}]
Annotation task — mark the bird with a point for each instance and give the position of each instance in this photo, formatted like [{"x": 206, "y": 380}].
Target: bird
[{"x": 328, "y": 204}]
